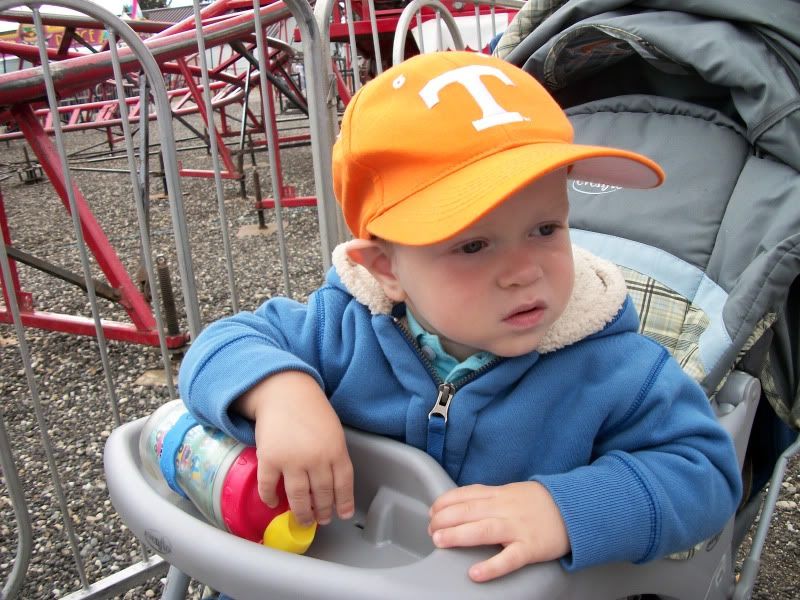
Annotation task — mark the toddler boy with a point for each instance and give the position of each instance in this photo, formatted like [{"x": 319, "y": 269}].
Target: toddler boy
[{"x": 460, "y": 320}]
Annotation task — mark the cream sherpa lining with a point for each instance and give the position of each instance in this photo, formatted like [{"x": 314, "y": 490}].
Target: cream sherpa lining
[{"x": 597, "y": 296}]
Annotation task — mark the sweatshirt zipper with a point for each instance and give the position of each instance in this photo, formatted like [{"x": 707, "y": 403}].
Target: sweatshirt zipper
[
  {"x": 414, "y": 346},
  {"x": 443, "y": 399},
  {"x": 446, "y": 390}
]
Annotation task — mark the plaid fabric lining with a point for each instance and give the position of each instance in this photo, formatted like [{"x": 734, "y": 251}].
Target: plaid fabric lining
[
  {"x": 529, "y": 16},
  {"x": 788, "y": 415},
  {"x": 670, "y": 319},
  {"x": 765, "y": 377}
]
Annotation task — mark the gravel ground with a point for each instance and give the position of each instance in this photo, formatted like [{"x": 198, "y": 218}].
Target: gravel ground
[{"x": 72, "y": 389}]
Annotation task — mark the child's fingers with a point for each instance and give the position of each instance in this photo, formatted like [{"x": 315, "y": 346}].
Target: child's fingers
[
  {"x": 343, "y": 488},
  {"x": 479, "y": 532},
  {"x": 511, "y": 558},
  {"x": 462, "y": 494},
  {"x": 459, "y": 513},
  {"x": 321, "y": 480},
  {"x": 298, "y": 494},
  {"x": 268, "y": 483}
]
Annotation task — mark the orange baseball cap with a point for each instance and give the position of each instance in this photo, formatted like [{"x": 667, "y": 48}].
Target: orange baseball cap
[{"x": 431, "y": 145}]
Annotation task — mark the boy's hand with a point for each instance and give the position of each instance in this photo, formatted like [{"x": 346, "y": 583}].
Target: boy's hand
[
  {"x": 299, "y": 436},
  {"x": 520, "y": 516}
]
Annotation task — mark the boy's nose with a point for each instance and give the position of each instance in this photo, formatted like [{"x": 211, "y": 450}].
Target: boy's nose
[{"x": 520, "y": 268}]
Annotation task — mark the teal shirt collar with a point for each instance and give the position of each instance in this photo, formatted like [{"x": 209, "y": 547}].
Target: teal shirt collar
[{"x": 446, "y": 365}]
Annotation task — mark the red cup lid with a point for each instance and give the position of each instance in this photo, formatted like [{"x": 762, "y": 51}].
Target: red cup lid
[{"x": 243, "y": 511}]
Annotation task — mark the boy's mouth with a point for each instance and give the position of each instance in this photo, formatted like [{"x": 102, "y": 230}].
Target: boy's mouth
[{"x": 527, "y": 315}]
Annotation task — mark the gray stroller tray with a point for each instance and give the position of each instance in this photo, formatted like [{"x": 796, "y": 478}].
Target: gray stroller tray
[{"x": 385, "y": 551}]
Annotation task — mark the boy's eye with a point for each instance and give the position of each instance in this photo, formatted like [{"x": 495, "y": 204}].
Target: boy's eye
[
  {"x": 545, "y": 230},
  {"x": 472, "y": 247}
]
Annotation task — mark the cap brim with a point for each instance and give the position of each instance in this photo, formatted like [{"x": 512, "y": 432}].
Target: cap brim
[{"x": 456, "y": 201}]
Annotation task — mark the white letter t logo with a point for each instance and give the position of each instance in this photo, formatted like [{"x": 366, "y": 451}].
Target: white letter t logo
[{"x": 470, "y": 78}]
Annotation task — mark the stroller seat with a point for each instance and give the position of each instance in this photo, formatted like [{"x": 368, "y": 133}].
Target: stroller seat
[{"x": 384, "y": 550}]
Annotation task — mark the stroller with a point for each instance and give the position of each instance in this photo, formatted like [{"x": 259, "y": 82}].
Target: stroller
[{"x": 712, "y": 262}]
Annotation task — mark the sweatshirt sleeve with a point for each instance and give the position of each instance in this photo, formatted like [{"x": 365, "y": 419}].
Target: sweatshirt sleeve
[
  {"x": 665, "y": 476},
  {"x": 233, "y": 354}
]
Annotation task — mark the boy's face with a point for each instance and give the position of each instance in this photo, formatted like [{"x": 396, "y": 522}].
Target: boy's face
[{"x": 498, "y": 285}]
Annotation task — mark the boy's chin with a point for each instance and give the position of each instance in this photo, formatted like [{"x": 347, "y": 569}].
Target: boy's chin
[
  {"x": 501, "y": 349},
  {"x": 523, "y": 344},
  {"x": 513, "y": 351}
]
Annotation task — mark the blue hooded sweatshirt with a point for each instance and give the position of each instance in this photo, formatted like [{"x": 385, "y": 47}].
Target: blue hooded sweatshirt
[{"x": 624, "y": 440}]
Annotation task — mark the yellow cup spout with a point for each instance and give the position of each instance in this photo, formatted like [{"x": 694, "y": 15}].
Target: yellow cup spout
[{"x": 285, "y": 533}]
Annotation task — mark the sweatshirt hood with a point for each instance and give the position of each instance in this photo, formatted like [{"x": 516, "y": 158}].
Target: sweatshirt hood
[{"x": 598, "y": 295}]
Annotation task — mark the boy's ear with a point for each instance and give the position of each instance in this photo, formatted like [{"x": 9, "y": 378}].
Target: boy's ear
[{"x": 375, "y": 257}]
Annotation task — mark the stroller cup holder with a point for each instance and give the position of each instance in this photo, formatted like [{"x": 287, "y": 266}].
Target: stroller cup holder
[{"x": 384, "y": 550}]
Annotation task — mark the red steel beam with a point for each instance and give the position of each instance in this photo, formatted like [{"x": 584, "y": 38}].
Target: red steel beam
[
  {"x": 130, "y": 297},
  {"x": 23, "y": 300},
  {"x": 79, "y": 21},
  {"x": 73, "y": 74},
  {"x": 292, "y": 202},
  {"x": 142, "y": 331},
  {"x": 113, "y": 330},
  {"x": 211, "y": 127},
  {"x": 77, "y": 110},
  {"x": 31, "y": 53}
]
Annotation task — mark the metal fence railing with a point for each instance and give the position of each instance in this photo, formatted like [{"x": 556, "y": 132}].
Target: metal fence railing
[{"x": 131, "y": 219}]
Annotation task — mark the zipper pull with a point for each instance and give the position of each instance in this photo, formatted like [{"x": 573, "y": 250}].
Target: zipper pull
[{"x": 446, "y": 392}]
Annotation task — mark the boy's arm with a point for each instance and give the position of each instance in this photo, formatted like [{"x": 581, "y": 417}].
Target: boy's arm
[
  {"x": 665, "y": 477},
  {"x": 234, "y": 354},
  {"x": 259, "y": 377}
]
